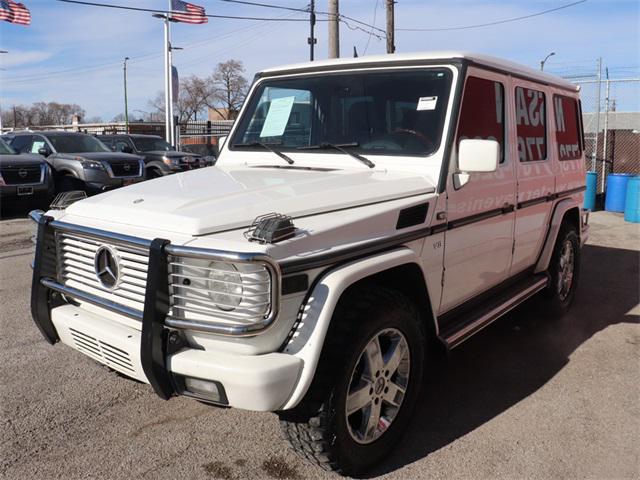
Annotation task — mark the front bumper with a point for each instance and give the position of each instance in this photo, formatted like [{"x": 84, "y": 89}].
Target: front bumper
[
  {"x": 155, "y": 353},
  {"x": 256, "y": 382},
  {"x": 39, "y": 190}
]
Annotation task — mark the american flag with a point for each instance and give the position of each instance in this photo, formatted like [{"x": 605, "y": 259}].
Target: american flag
[
  {"x": 14, "y": 12},
  {"x": 187, "y": 12}
]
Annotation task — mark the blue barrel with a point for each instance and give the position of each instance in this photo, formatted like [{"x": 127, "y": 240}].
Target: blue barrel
[
  {"x": 616, "y": 192},
  {"x": 632, "y": 202},
  {"x": 590, "y": 194}
]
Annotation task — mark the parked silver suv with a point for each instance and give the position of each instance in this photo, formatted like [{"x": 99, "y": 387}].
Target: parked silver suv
[{"x": 80, "y": 161}]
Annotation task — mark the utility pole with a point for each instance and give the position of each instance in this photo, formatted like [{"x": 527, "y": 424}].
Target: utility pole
[
  {"x": 334, "y": 29},
  {"x": 606, "y": 132},
  {"x": 594, "y": 153},
  {"x": 312, "y": 25},
  {"x": 126, "y": 109},
  {"x": 391, "y": 44}
]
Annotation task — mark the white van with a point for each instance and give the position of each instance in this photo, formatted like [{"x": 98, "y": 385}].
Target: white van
[{"x": 360, "y": 211}]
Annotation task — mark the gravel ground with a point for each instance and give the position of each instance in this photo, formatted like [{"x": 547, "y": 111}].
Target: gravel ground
[{"x": 526, "y": 398}]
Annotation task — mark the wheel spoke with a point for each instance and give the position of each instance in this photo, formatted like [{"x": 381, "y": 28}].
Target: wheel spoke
[
  {"x": 373, "y": 420},
  {"x": 358, "y": 399},
  {"x": 374, "y": 356},
  {"x": 396, "y": 357},
  {"x": 393, "y": 396}
]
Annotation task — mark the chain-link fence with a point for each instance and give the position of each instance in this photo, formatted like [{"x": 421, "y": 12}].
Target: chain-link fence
[{"x": 611, "y": 121}]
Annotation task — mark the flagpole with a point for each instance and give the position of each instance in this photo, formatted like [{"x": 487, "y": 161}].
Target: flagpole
[
  {"x": 170, "y": 82},
  {"x": 167, "y": 75}
]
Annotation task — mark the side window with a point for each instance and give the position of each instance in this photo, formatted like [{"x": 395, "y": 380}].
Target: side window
[
  {"x": 531, "y": 124},
  {"x": 120, "y": 146},
  {"x": 21, "y": 143},
  {"x": 567, "y": 127},
  {"x": 38, "y": 143},
  {"x": 482, "y": 113}
]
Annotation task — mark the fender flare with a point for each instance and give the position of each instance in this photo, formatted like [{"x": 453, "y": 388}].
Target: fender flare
[
  {"x": 157, "y": 165},
  {"x": 559, "y": 211},
  {"x": 67, "y": 172},
  {"x": 318, "y": 309}
]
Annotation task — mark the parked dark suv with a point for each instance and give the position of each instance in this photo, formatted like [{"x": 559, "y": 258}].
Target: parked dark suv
[
  {"x": 23, "y": 178},
  {"x": 160, "y": 158},
  {"x": 80, "y": 161}
]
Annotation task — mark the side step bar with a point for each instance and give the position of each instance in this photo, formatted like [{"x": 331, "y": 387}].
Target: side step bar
[{"x": 494, "y": 308}]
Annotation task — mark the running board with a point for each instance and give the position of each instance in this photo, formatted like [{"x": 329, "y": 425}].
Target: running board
[{"x": 484, "y": 315}]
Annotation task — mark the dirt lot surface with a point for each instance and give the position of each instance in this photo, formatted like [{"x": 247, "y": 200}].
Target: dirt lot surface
[{"x": 526, "y": 398}]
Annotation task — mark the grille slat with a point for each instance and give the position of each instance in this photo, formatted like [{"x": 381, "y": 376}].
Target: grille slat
[{"x": 77, "y": 256}]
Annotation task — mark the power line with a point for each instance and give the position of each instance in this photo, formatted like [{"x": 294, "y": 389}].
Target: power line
[
  {"x": 498, "y": 22},
  {"x": 267, "y": 5},
  {"x": 134, "y": 59},
  {"x": 152, "y": 10},
  {"x": 375, "y": 14}
]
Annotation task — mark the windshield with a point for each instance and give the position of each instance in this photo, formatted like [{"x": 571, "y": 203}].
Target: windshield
[
  {"x": 76, "y": 143},
  {"x": 5, "y": 149},
  {"x": 386, "y": 113},
  {"x": 147, "y": 144}
]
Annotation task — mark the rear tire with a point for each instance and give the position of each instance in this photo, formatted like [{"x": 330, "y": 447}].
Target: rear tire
[
  {"x": 355, "y": 410},
  {"x": 151, "y": 173},
  {"x": 564, "y": 272}
]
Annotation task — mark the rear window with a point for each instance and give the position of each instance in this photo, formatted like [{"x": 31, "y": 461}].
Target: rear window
[
  {"x": 531, "y": 124},
  {"x": 567, "y": 113}
]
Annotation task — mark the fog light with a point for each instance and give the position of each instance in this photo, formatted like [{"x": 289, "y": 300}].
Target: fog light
[{"x": 203, "y": 388}]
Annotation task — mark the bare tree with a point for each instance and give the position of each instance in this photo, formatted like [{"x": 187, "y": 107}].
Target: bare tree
[
  {"x": 195, "y": 95},
  {"x": 41, "y": 113},
  {"x": 230, "y": 89}
]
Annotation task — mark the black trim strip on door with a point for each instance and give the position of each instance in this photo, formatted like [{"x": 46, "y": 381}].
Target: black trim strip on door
[
  {"x": 296, "y": 265},
  {"x": 550, "y": 198}
]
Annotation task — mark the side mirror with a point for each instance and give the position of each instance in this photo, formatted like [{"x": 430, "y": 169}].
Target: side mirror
[
  {"x": 127, "y": 149},
  {"x": 476, "y": 156},
  {"x": 44, "y": 151}
]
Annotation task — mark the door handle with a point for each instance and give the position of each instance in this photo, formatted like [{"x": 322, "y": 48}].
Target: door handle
[
  {"x": 441, "y": 215},
  {"x": 507, "y": 208}
]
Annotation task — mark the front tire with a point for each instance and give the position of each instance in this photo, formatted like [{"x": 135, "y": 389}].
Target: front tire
[
  {"x": 564, "y": 272},
  {"x": 366, "y": 384}
]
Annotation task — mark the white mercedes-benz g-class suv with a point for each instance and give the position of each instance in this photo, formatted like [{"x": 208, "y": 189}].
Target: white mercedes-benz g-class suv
[{"x": 361, "y": 211}]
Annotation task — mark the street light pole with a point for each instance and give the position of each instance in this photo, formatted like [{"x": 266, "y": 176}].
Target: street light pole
[
  {"x": 126, "y": 109},
  {"x": 545, "y": 60},
  {"x": 2, "y": 51}
]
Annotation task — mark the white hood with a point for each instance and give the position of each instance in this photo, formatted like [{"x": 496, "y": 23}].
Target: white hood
[{"x": 215, "y": 199}]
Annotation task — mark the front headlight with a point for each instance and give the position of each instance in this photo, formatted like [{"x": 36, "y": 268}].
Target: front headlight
[
  {"x": 92, "y": 164},
  {"x": 232, "y": 293},
  {"x": 171, "y": 161},
  {"x": 225, "y": 286}
]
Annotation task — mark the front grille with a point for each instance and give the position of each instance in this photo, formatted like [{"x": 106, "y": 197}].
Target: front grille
[
  {"x": 125, "y": 169},
  {"x": 112, "y": 356},
  {"x": 21, "y": 174},
  {"x": 76, "y": 257}
]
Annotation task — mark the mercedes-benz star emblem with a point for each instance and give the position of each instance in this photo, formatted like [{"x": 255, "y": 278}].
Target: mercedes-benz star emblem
[{"x": 105, "y": 263}]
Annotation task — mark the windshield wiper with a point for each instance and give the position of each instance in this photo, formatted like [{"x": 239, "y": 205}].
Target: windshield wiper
[
  {"x": 342, "y": 147},
  {"x": 266, "y": 146}
]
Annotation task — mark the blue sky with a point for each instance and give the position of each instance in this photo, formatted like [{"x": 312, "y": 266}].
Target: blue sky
[{"x": 74, "y": 53}]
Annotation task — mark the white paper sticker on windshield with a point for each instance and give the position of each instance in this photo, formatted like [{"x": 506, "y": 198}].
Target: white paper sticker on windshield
[
  {"x": 427, "y": 103},
  {"x": 277, "y": 117}
]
